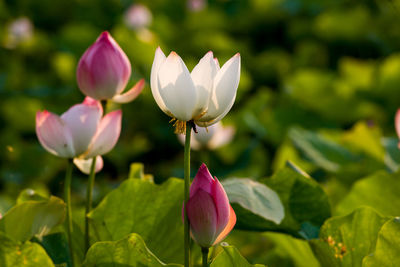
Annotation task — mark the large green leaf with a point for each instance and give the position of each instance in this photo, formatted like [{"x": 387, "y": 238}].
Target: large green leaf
[
  {"x": 130, "y": 251},
  {"x": 140, "y": 206},
  {"x": 33, "y": 218},
  {"x": 387, "y": 249},
  {"x": 323, "y": 152},
  {"x": 56, "y": 246},
  {"x": 305, "y": 204},
  {"x": 17, "y": 254},
  {"x": 255, "y": 198},
  {"x": 230, "y": 257},
  {"x": 380, "y": 191},
  {"x": 346, "y": 240},
  {"x": 294, "y": 251}
]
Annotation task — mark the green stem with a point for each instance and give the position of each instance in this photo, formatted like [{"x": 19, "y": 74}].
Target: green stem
[
  {"x": 67, "y": 197},
  {"x": 89, "y": 191},
  {"x": 186, "y": 193},
  {"x": 204, "y": 253}
]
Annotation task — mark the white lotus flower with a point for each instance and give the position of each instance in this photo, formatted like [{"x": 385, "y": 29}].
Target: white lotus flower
[{"x": 203, "y": 96}]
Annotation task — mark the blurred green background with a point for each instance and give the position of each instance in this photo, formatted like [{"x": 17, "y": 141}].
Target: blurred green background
[{"x": 320, "y": 84}]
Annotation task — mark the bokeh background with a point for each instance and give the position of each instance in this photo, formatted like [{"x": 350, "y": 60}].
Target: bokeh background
[{"x": 320, "y": 85}]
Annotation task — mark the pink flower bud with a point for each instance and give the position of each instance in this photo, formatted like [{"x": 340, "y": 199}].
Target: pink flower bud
[
  {"x": 104, "y": 70},
  {"x": 210, "y": 215}
]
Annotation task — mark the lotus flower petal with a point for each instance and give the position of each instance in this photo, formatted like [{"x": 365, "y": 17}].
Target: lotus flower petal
[
  {"x": 84, "y": 165},
  {"x": 82, "y": 121},
  {"x": 54, "y": 135},
  {"x": 176, "y": 88},
  {"x": 107, "y": 134},
  {"x": 131, "y": 94},
  {"x": 202, "y": 216}
]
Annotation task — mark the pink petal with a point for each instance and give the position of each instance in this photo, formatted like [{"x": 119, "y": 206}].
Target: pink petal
[
  {"x": 202, "y": 217},
  {"x": 221, "y": 203},
  {"x": 131, "y": 94},
  {"x": 228, "y": 228},
  {"x": 84, "y": 165},
  {"x": 104, "y": 69},
  {"x": 203, "y": 180},
  {"x": 397, "y": 122},
  {"x": 82, "y": 121},
  {"x": 107, "y": 134},
  {"x": 54, "y": 135}
]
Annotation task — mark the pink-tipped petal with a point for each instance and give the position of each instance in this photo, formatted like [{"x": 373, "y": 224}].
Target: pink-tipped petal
[
  {"x": 221, "y": 204},
  {"x": 176, "y": 88},
  {"x": 203, "y": 75},
  {"x": 104, "y": 69},
  {"x": 131, "y": 94},
  {"x": 54, "y": 135},
  {"x": 223, "y": 95},
  {"x": 84, "y": 165},
  {"x": 107, "y": 134},
  {"x": 82, "y": 121},
  {"x": 228, "y": 228},
  {"x": 397, "y": 122},
  {"x": 203, "y": 180},
  {"x": 202, "y": 216}
]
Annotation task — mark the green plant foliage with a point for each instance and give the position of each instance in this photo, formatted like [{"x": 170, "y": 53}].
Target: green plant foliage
[
  {"x": 230, "y": 257},
  {"x": 345, "y": 241},
  {"x": 130, "y": 251},
  {"x": 379, "y": 191},
  {"x": 305, "y": 204},
  {"x": 256, "y": 198},
  {"x": 140, "y": 206},
  {"x": 290, "y": 250},
  {"x": 33, "y": 218},
  {"x": 18, "y": 254},
  {"x": 56, "y": 246},
  {"x": 387, "y": 247}
]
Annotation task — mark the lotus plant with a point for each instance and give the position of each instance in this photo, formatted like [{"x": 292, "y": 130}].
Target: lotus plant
[
  {"x": 201, "y": 97},
  {"x": 81, "y": 134},
  {"x": 104, "y": 71},
  {"x": 210, "y": 215}
]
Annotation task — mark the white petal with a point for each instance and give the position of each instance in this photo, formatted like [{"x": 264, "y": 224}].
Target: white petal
[
  {"x": 107, "y": 134},
  {"x": 177, "y": 88},
  {"x": 203, "y": 75},
  {"x": 224, "y": 91},
  {"x": 84, "y": 165},
  {"x": 131, "y": 94},
  {"x": 159, "y": 59},
  {"x": 82, "y": 121},
  {"x": 54, "y": 135}
]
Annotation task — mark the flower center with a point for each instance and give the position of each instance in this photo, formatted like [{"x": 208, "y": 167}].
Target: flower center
[{"x": 180, "y": 126}]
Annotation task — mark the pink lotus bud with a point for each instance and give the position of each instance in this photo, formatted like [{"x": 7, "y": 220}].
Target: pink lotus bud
[
  {"x": 104, "y": 70},
  {"x": 210, "y": 215},
  {"x": 81, "y": 132}
]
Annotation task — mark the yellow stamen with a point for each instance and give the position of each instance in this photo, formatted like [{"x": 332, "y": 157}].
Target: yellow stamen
[{"x": 180, "y": 126}]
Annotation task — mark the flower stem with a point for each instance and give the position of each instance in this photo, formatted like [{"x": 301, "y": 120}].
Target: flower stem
[
  {"x": 67, "y": 197},
  {"x": 89, "y": 191},
  {"x": 204, "y": 253},
  {"x": 186, "y": 193}
]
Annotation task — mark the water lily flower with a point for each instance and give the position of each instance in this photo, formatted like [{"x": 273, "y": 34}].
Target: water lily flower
[
  {"x": 211, "y": 137},
  {"x": 210, "y": 215},
  {"x": 104, "y": 70},
  {"x": 80, "y": 133},
  {"x": 138, "y": 17},
  {"x": 203, "y": 96}
]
